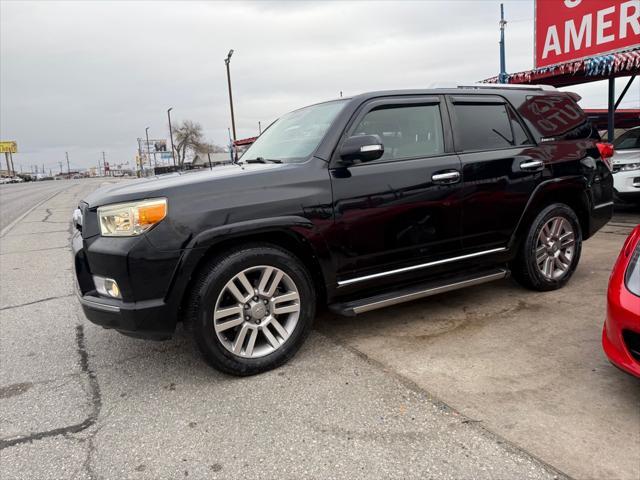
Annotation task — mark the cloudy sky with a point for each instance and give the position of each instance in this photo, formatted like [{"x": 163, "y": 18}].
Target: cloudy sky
[{"x": 87, "y": 77}]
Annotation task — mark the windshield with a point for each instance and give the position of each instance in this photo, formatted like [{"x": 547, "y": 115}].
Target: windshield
[
  {"x": 294, "y": 136},
  {"x": 627, "y": 141}
]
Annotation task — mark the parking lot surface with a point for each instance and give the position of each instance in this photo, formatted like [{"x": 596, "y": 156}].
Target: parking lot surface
[{"x": 492, "y": 382}]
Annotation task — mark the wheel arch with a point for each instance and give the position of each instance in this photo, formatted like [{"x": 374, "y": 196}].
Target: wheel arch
[
  {"x": 298, "y": 237},
  {"x": 569, "y": 191}
]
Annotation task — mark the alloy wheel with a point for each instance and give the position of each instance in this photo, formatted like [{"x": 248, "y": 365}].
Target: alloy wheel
[
  {"x": 257, "y": 311},
  {"x": 555, "y": 248}
]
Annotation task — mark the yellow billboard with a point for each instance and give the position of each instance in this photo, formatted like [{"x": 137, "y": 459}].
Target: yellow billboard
[{"x": 8, "y": 147}]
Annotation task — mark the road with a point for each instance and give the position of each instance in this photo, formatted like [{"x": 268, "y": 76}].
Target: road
[
  {"x": 17, "y": 198},
  {"x": 419, "y": 391}
]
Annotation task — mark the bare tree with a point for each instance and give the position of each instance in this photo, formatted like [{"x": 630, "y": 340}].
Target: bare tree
[{"x": 188, "y": 135}]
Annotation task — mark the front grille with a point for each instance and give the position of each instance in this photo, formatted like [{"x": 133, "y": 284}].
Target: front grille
[{"x": 632, "y": 342}]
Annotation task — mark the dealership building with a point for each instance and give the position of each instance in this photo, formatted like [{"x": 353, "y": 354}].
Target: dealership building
[{"x": 582, "y": 41}]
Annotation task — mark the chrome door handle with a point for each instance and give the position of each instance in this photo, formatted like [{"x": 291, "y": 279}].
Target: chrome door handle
[
  {"x": 446, "y": 177},
  {"x": 532, "y": 165}
]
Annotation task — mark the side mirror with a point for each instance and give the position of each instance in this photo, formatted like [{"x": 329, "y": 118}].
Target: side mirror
[{"x": 362, "y": 147}]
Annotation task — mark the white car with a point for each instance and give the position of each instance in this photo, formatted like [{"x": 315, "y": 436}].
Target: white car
[{"x": 626, "y": 166}]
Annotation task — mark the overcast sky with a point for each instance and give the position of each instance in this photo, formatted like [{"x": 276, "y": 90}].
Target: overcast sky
[{"x": 87, "y": 77}]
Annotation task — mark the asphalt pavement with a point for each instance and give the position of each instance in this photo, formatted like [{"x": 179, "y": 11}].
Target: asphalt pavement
[{"x": 78, "y": 401}]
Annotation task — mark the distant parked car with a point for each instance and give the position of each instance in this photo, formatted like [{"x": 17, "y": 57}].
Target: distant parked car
[
  {"x": 626, "y": 166},
  {"x": 621, "y": 333}
]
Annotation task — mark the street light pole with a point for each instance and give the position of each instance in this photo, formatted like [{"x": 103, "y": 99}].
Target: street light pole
[
  {"x": 173, "y": 152},
  {"x": 227, "y": 61},
  {"x": 502, "y": 77}
]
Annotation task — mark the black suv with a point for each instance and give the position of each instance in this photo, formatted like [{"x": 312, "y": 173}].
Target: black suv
[{"x": 357, "y": 203}]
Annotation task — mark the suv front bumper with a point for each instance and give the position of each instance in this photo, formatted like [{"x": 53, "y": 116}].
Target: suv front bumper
[
  {"x": 627, "y": 185},
  {"x": 152, "y": 319}
]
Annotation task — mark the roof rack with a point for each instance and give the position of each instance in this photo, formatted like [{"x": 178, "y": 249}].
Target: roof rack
[{"x": 500, "y": 86}]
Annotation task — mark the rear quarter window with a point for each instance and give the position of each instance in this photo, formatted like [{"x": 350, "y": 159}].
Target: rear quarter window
[
  {"x": 557, "y": 117},
  {"x": 487, "y": 126}
]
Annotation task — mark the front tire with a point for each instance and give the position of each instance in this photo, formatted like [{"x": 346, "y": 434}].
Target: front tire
[
  {"x": 251, "y": 309},
  {"x": 551, "y": 250}
]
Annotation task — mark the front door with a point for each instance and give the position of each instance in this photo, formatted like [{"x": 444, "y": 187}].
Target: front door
[{"x": 402, "y": 209}]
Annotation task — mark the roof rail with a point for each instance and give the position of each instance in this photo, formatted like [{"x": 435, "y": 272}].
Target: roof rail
[{"x": 512, "y": 86}]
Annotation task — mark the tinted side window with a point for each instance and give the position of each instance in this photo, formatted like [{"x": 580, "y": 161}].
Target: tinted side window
[
  {"x": 406, "y": 132},
  {"x": 556, "y": 117},
  {"x": 483, "y": 126}
]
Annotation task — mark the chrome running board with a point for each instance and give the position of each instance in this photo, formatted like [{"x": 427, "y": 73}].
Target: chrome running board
[{"x": 415, "y": 292}]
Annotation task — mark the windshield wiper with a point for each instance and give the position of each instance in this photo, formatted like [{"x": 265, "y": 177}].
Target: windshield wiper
[{"x": 262, "y": 160}]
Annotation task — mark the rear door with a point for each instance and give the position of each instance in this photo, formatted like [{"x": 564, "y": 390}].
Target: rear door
[
  {"x": 501, "y": 167},
  {"x": 403, "y": 208}
]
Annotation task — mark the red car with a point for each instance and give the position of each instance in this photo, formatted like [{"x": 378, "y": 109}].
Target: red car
[{"x": 621, "y": 333}]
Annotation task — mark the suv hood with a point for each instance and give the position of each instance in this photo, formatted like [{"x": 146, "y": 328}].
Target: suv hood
[{"x": 162, "y": 185}]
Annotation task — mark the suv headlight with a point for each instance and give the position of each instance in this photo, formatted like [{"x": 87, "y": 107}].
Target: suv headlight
[
  {"x": 129, "y": 219},
  {"x": 629, "y": 167}
]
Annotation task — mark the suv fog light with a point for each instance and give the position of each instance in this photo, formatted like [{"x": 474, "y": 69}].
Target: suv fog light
[{"x": 107, "y": 286}]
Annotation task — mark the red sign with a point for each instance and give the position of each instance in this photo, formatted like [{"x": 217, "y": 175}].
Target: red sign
[{"x": 569, "y": 30}]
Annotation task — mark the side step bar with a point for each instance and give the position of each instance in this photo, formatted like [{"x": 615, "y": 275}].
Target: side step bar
[{"x": 353, "y": 308}]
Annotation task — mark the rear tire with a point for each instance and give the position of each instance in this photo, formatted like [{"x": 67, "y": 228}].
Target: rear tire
[
  {"x": 551, "y": 250},
  {"x": 243, "y": 332}
]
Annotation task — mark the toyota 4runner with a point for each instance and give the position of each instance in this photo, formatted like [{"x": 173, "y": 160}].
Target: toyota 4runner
[{"x": 358, "y": 203}]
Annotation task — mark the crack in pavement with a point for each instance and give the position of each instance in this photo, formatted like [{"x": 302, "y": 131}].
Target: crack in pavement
[
  {"x": 96, "y": 401},
  {"x": 49, "y": 213},
  {"x": 441, "y": 404},
  {"x": 9, "y": 307}
]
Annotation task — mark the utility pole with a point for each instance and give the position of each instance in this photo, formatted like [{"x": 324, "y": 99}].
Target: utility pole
[
  {"x": 140, "y": 156},
  {"x": 146, "y": 132},
  {"x": 259, "y": 128},
  {"x": 60, "y": 163},
  {"x": 173, "y": 150},
  {"x": 227, "y": 61},
  {"x": 68, "y": 167},
  {"x": 13, "y": 168},
  {"x": 502, "y": 77},
  {"x": 104, "y": 164}
]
